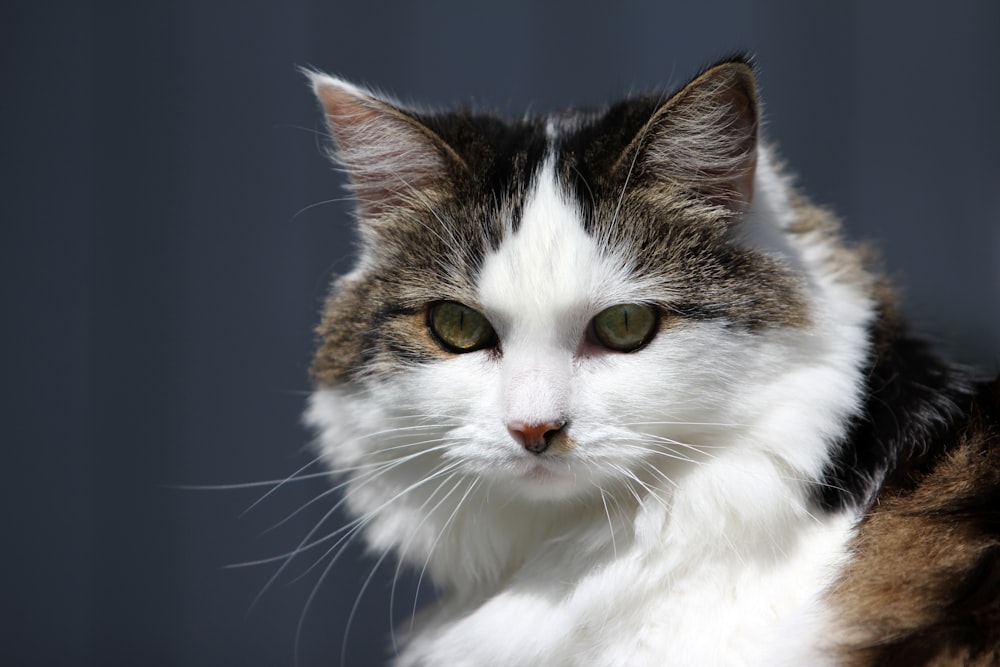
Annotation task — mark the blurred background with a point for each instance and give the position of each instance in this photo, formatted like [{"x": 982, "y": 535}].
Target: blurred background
[{"x": 168, "y": 228}]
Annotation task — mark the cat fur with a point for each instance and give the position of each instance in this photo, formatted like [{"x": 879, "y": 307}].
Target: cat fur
[{"x": 782, "y": 475}]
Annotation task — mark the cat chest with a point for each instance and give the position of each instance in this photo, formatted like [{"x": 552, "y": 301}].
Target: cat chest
[{"x": 637, "y": 612}]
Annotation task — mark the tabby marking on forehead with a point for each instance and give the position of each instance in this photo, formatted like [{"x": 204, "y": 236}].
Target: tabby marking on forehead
[{"x": 548, "y": 277}]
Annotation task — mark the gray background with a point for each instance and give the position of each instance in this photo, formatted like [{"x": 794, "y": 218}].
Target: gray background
[{"x": 166, "y": 243}]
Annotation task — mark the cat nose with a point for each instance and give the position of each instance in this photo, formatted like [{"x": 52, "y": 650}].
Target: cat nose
[{"x": 535, "y": 437}]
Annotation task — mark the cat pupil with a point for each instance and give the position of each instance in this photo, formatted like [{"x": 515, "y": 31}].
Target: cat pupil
[
  {"x": 459, "y": 328},
  {"x": 625, "y": 327}
]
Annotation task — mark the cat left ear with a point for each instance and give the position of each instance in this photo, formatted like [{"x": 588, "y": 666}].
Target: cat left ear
[
  {"x": 391, "y": 158},
  {"x": 705, "y": 136}
]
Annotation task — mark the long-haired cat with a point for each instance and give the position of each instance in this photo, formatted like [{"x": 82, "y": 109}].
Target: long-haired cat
[{"x": 628, "y": 398}]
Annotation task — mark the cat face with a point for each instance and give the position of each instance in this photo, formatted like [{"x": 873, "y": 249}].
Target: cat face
[{"x": 554, "y": 307}]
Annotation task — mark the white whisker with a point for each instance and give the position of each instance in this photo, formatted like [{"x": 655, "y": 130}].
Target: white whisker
[
  {"x": 611, "y": 526},
  {"x": 405, "y": 547},
  {"x": 444, "y": 528},
  {"x": 370, "y": 471}
]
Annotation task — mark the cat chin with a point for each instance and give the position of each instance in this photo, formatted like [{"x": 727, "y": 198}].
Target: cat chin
[{"x": 542, "y": 481}]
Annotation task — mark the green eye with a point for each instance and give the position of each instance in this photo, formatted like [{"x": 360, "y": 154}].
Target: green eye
[
  {"x": 460, "y": 328},
  {"x": 625, "y": 327}
]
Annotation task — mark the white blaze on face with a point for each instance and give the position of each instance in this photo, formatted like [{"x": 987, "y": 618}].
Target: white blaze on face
[{"x": 539, "y": 291}]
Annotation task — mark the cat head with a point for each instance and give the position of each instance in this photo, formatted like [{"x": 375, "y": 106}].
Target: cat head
[{"x": 554, "y": 305}]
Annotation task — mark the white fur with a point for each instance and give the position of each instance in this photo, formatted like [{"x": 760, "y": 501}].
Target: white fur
[{"x": 676, "y": 530}]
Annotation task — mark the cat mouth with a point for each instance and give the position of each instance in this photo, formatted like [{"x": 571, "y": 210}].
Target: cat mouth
[
  {"x": 540, "y": 472},
  {"x": 547, "y": 481}
]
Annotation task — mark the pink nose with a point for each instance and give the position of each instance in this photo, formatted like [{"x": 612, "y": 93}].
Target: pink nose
[{"x": 535, "y": 437}]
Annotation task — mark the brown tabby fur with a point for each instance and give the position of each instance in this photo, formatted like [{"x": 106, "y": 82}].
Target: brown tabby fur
[{"x": 923, "y": 587}]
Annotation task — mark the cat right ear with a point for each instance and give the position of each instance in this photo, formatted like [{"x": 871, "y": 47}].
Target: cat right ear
[
  {"x": 391, "y": 159},
  {"x": 705, "y": 136}
]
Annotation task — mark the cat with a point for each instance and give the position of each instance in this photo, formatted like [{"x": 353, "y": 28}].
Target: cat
[{"x": 628, "y": 398}]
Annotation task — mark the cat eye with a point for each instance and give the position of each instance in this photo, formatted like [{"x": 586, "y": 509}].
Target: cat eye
[
  {"x": 625, "y": 327},
  {"x": 459, "y": 328}
]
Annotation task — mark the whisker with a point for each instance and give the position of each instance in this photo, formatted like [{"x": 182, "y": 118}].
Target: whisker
[
  {"x": 357, "y": 601},
  {"x": 248, "y": 485},
  {"x": 665, "y": 452},
  {"x": 294, "y": 477},
  {"x": 402, "y": 551},
  {"x": 673, "y": 423},
  {"x": 370, "y": 471},
  {"x": 647, "y": 488},
  {"x": 337, "y": 472},
  {"x": 670, "y": 441},
  {"x": 673, "y": 454},
  {"x": 352, "y": 528},
  {"x": 659, "y": 473},
  {"x": 334, "y": 200},
  {"x": 371, "y": 475},
  {"x": 611, "y": 527},
  {"x": 627, "y": 475},
  {"x": 444, "y": 528},
  {"x": 305, "y": 610},
  {"x": 274, "y": 488},
  {"x": 361, "y": 522},
  {"x": 628, "y": 177}
]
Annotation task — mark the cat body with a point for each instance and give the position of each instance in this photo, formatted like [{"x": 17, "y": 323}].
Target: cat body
[{"x": 627, "y": 398}]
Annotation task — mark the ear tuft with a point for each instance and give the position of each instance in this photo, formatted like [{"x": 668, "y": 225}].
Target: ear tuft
[
  {"x": 391, "y": 158},
  {"x": 705, "y": 136}
]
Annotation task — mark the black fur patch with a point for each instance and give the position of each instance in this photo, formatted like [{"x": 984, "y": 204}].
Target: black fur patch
[{"x": 914, "y": 402}]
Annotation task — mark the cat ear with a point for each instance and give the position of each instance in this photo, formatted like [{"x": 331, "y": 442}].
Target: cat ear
[
  {"x": 705, "y": 136},
  {"x": 390, "y": 157}
]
